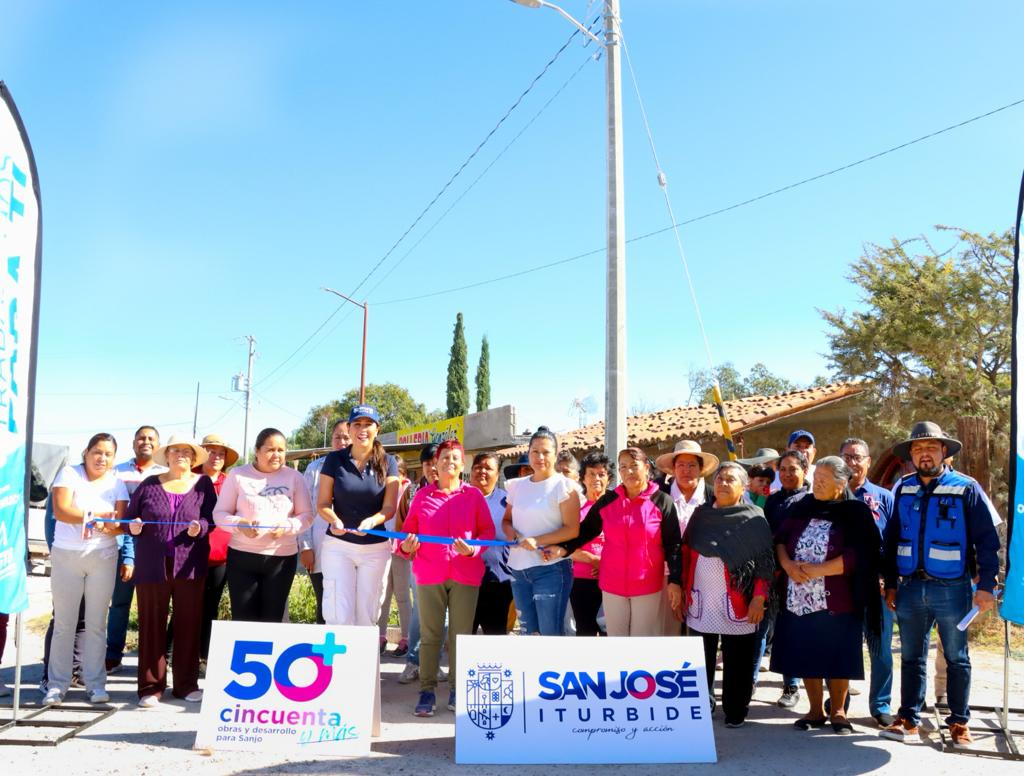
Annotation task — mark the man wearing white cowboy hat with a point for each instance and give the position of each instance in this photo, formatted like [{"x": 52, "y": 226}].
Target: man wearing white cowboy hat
[
  {"x": 687, "y": 465},
  {"x": 941, "y": 534}
]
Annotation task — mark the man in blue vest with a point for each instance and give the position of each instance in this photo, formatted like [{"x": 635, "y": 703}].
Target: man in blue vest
[{"x": 941, "y": 534}]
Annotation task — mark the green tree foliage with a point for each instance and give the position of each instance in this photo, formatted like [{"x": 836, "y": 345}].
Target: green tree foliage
[
  {"x": 483, "y": 377},
  {"x": 395, "y": 404},
  {"x": 933, "y": 334},
  {"x": 758, "y": 382},
  {"x": 458, "y": 373}
]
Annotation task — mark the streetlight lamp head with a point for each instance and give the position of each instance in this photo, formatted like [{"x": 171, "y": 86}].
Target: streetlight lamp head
[{"x": 529, "y": 3}]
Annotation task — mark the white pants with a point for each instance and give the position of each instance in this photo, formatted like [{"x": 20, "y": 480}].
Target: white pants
[
  {"x": 354, "y": 577},
  {"x": 74, "y": 574},
  {"x": 635, "y": 615}
]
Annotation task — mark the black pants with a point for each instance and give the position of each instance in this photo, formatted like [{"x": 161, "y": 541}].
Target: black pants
[
  {"x": 317, "y": 580},
  {"x": 258, "y": 585},
  {"x": 737, "y": 657},
  {"x": 216, "y": 579},
  {"x": 492, "y": 607},
  {"x": 585, "y": 598}
]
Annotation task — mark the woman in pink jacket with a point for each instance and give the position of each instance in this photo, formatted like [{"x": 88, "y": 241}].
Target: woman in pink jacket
[
  {"x": 447, "y": 575},
  {"x": 641, "y": 535}
]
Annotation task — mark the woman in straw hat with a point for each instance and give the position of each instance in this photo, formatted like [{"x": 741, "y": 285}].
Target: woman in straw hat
[
  {"x": 171, "y": 516},
  {"x": 220, "y": 457}
]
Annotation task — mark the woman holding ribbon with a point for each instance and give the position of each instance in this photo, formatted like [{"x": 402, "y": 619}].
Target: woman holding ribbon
[
  {"x": 447, "y": 575},
  {"x": 171, "y": 515},
  {"x": 543, "y": 509},
  {"x": 641, "y": 536},
  {"x": 265, "y": 505},
  {"x": 358, "y": 492},
  {"x": 83, "y": 562}
]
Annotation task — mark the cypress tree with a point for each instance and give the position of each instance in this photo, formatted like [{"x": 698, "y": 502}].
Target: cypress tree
[
  {"x": 483, "y": 377},
  {"x": 458, "y": 373}
]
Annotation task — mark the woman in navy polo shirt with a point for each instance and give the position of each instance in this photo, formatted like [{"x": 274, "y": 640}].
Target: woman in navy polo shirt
[{"x": 358, "y": 492}]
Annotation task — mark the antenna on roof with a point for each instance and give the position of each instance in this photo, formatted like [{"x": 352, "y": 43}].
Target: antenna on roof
[{"x": 581, "y": 407}]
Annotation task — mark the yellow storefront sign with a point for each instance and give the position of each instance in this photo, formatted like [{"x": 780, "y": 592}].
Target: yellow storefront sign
[{"x": 437, "y": 432}]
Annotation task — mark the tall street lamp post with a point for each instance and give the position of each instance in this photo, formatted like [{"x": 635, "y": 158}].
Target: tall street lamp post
[{"x": 362, "y": 373}]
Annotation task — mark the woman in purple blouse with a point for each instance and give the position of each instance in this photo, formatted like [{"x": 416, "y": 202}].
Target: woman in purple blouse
[{"x": 171, "y": 516}]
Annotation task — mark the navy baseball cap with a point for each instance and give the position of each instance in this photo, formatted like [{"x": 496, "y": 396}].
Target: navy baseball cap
[
  {"x": 801, "y": 433},
  {"x": 364, "y": 411}
]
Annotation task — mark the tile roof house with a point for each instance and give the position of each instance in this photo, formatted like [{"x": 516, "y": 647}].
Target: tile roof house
[{"x": 756, "y": 421}]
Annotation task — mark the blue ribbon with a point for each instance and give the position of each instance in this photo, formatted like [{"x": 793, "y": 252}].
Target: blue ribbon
[{"x": 400, "y": 535}]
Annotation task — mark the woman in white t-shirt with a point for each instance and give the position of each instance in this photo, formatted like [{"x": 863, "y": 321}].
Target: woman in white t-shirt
[
  {"x": 543, "y": 509},
  {"x": 83, "y": 562}
]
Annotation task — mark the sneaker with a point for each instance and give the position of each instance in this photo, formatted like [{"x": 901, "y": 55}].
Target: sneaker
[
  {"x": 196, "y": 696},
  {"x": 149, "y": 702},
  {"x": 961, "y": 735},
  {"x": 883, "y": 719},
  {"x": 442, "y": 675},
  {"x": 451, "y": 700},
  {"x": 410, "y": 674},
  {"x": 402, "y": 649},
  {"x": 53, "y": 697},
  {"x": 901, "y": 730},
  {"x": 734, "y": 724},
  {"x": 789, "y": 698},
  {"x": 99, "y": 696},
  {"x": 426, "y": 705},
  {"x": 113, "y": 666}
]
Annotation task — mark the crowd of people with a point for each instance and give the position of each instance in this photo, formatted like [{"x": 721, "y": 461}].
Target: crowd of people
[{"x": 779, "y": 552}]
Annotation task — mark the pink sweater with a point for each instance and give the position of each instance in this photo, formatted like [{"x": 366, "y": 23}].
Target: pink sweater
[
  {"x": 280, "y": 498},
  {"x": 463, "y": 513}
]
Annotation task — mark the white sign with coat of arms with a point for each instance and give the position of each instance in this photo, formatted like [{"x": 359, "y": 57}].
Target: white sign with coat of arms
[{"x": 555, "y": 700}]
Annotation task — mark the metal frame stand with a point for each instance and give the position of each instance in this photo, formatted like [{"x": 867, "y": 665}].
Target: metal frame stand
[{"x": 1003, "y": 729}]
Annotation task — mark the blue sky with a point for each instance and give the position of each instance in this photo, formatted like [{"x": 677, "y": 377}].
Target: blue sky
[{"x": 205, "y": 170}]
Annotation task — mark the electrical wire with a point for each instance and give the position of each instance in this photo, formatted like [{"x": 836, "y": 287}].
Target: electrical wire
[
  {"x": 426, "y": 209},
  {"x": 717, "y": 212}
]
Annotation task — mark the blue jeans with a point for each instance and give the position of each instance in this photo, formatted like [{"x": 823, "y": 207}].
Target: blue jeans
[
  {"x": 117, "y": 618},
  {"x": 921, "y": 603},
  {"x": 880, "y": 694},
  {"x": 764, "y": 631},
  {"x": 541, "y": 594}
]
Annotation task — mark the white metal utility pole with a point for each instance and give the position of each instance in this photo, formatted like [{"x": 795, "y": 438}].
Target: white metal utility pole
[
  {"x": 615, "y": 435},
  {"x": 248, "y": 396}
]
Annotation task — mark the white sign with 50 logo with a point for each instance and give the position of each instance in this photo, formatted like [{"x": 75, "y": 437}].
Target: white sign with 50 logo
[{"x": 301, "y": 688}]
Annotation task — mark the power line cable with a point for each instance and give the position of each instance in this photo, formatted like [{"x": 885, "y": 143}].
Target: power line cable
[
  {"x": 712, "y": 213},
  {"x": 263, "y": 381}
]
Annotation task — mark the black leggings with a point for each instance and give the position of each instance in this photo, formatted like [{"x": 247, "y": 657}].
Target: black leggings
[
  {"x": 585, "y": 598},
  {"x": 216, "y": 578},
  {"x": 737, "y": 656},
  {"x": 492, "y": 607},
  {"x": 258, "y": 585}
]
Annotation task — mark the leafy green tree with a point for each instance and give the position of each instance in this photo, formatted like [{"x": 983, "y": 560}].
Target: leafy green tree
[
  {"x": 760, "y": 381},
  {"x": 483, "y": 377},
  {"x": 933, "y": 335},
  {"x": 395, "y": 404},
  {"x": 458, "y": 373}
]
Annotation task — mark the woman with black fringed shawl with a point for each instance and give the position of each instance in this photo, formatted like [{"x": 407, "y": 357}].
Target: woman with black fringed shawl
[
  {"x": 728, "y": 564},
  {"x": 829, "y": 554}
]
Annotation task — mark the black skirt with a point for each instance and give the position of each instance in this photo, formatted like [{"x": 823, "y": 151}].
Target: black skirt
[{"x": 819, "y": 645}]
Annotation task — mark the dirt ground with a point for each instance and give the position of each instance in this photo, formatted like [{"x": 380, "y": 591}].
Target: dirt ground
[{"x": 132, "y": 741}]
